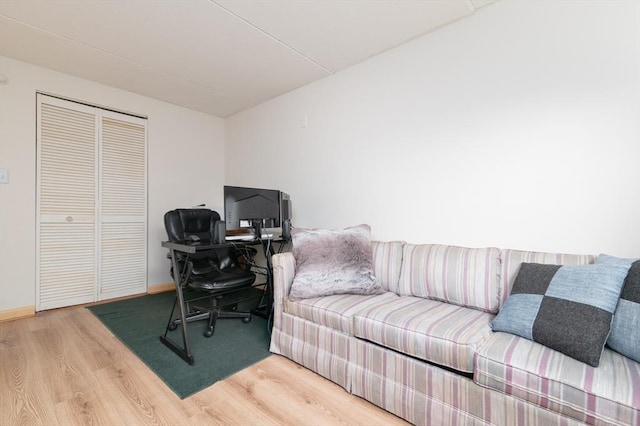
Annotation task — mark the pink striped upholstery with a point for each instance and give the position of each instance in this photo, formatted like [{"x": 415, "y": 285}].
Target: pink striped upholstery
[
  {"x": 519, "y": 382},
  {"x": 458, "y": 275},
  {"x": 321, "y": 349},
  {"x": 284, "y": 269},
  {"x": 438, "y": 332},
  {"x": 425, "y": 394},
  {"x": 324, "y": 350},
  {"x": 609, "y": 394},
  {"x": 511, "y": 260},
  {"x": 387, "y": 262},
  {"x": 335, "y": 311}
]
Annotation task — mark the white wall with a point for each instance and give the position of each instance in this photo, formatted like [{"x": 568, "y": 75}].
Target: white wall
[
  {"x": 185, "y": 167},
  {"x": 518, "y": 127}
]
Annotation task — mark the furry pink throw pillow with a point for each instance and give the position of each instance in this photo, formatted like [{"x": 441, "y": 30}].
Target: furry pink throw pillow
[{"x": 333, "y": 262}]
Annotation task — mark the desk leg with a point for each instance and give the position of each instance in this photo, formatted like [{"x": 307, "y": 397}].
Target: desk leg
[
  {"x": 185, "y": 351},
  {"x": 265, "y": 304}
]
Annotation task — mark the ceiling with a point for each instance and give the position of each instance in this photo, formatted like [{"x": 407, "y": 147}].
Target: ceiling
[{"x": 214, "y": 56}]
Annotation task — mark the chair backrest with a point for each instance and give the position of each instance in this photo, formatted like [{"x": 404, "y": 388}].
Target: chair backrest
[{"x": 183, "y": 224}]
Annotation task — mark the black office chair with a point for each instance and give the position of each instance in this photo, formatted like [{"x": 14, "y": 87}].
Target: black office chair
[{"x": 212, "y": 272}]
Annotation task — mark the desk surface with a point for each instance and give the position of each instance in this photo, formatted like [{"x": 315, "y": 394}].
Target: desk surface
[{"x": 193, "y": 246}]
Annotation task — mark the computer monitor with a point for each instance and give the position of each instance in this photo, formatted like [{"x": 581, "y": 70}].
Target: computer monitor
[{"x": 246, "y": 208}]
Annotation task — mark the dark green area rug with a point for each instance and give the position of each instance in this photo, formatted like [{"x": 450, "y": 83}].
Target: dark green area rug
[{"x": 139, "y": 322}]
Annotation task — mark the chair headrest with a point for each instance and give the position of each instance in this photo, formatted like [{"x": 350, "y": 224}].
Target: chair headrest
[{"x": 182, "y": 224}]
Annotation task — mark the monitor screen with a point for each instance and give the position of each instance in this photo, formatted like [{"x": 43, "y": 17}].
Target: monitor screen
[{"x": 244, "y": 207}]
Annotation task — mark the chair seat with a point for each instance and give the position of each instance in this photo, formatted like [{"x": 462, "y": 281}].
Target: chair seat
[{"x": 230, "y": 279}]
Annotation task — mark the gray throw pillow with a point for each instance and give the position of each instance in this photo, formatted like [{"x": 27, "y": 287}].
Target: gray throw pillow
[
  {"x": 333, "y": 262},
  {"x": 567, "y": 308}
]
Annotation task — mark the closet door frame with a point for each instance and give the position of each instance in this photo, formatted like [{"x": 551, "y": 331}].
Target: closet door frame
[{"x": 62, "y": 251}]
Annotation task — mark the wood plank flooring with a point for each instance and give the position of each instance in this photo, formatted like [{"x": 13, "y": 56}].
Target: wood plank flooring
[{"x": 65, "y": 368}]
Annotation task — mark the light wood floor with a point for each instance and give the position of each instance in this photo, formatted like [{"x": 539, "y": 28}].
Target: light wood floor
[{"x": 65, "y": 368}]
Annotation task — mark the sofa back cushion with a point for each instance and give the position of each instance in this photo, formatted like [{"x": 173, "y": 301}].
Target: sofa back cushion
[
  {"x": 510, "y": 261},
  {"x": 387, "y": 261},
  {"x": 459, "y": 275}
]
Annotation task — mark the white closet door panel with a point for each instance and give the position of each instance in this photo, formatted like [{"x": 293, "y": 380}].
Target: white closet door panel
[
  {"x": 67, "y": 264},
  {"x": 67, "y": 153},
  {"x": 123, "y": 260},
  {"x": 67, "y": 187},
  {"x": 123, "y": 168},
  {"x": 123, "y": 186}
]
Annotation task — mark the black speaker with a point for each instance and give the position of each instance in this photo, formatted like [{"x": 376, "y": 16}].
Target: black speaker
[
  {"x": 286, "y": 230},
  {"x": 220, "y": 232},
  {"x": 285, "y": 207}
]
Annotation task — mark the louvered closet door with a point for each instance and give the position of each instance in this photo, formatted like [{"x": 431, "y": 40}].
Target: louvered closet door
[
  {"x": 123, "y": 256},
  {"x": 67, "y": 189},
  {"x": 91, "y": 203}
]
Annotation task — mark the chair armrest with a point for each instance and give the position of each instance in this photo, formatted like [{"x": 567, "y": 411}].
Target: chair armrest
[{"x": 284, "y": 269}]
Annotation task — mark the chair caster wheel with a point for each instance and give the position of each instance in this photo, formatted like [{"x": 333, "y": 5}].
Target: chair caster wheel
[
  {"x": 208, "y": 333},
  {"x": 246, "y": 320},
  {"x": 172, "y": 326}
]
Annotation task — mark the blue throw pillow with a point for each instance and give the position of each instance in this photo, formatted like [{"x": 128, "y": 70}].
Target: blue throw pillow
[
  {"x": 566, "y": 308},
  {"x": 625, "y": 331}
]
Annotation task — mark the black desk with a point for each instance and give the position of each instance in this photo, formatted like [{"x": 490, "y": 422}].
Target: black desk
[
  {"x": 265, "y": 305},
  {"x": 183, "y": 351},
  {"x": 263, "y": 308}
]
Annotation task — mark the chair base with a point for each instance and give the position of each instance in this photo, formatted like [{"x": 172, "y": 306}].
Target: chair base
[{"x": 212, "y": 314}]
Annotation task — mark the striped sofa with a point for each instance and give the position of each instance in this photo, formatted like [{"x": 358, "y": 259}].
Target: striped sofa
[{"x": 424, "y": 350}]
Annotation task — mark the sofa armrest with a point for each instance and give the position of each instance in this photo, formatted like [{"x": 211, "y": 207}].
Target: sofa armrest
[{"x": 284, "y": 269}]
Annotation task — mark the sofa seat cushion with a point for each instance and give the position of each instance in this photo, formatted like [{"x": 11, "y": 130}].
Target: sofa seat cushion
[
  {"x": 533, "y": 372},
  {"x": 434, "y": 331},
  {"x": 335, "y": 311}
]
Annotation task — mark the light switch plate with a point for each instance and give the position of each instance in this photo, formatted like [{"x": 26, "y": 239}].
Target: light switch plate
[{"x": 4, "y": 175}]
